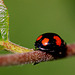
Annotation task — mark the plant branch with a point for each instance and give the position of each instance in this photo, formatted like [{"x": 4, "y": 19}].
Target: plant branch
[
  {"x": 9, "y": 46},
  {"x": 31, "y": 57}
]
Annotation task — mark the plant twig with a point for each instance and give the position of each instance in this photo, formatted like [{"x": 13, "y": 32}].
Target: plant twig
[
  {"x": 24, "y": 58},
  {"x": 31, "y": 57},
  {"x": 9, "y": 46}
]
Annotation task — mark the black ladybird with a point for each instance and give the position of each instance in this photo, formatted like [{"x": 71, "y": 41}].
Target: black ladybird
[{"x": 51, "y": 43}]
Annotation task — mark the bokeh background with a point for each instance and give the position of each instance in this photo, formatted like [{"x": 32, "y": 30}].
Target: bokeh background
[{"x": 31, "y": 18}]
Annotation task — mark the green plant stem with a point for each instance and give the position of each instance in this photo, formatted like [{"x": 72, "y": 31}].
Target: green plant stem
[{"x": 9, "y": 46}]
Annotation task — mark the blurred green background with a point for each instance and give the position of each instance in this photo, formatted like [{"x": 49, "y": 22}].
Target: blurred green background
[{"x": 29, "y": 19}]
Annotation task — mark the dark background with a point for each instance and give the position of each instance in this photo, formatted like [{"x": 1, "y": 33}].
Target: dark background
[{"x": 29, "y": 19}]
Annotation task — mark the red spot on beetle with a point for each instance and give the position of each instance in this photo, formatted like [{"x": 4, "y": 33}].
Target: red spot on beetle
[
  {"x": 45, "y": 41},
  {"x": 39, "y": 38},
  {"x": 58, "y": 40}
]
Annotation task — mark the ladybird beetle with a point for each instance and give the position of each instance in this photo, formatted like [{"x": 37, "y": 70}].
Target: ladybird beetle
[{"x": 51, "y": 43}]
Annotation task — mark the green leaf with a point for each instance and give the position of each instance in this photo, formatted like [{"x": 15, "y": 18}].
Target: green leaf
[{"x": 4, "y": 22}]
